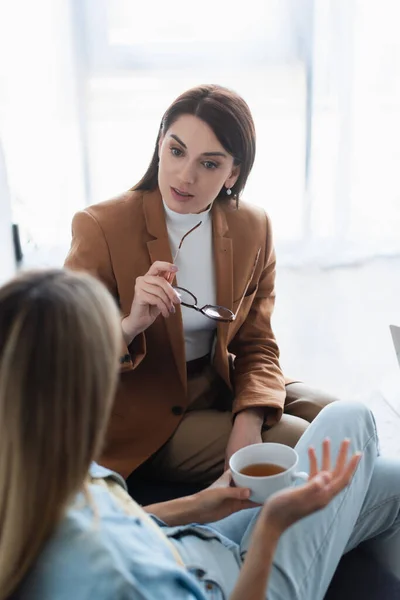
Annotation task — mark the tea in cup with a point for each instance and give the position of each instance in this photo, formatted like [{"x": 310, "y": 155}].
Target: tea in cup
[{"x": 265, "y": 469}]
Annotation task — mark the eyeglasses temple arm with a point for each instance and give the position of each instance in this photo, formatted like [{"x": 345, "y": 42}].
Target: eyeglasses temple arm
[{"x": 185, "y": 236}]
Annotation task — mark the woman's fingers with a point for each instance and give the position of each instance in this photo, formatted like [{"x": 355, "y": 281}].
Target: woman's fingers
[
  {"x": 154, "y": 301},
  {"x": 234, "y": 493},
  {"x": 326, "y": 455},
  {"x": 312, "y": 457},
  {"x": 223, "y": 481},
  {"x": 170, "y": 277},
  {"x": 161, "y": 283},
  {"x": 341, "y": 460},
  {"x": 341, "y": 480},
  {"x": 235, "y": 499},
  {"x": 292, "y": 504},
  {"x": 160, "y": 267},
  {"x": 157, "y": 282},
  {"x": 159, "y": 287},
  {"x": 158, "y": 292},
  {"x": 352, "y": 466},
  {"x": 344, "y": 468}
]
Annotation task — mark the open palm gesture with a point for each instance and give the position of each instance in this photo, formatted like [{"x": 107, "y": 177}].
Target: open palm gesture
[{"x": 292, "y": 504}]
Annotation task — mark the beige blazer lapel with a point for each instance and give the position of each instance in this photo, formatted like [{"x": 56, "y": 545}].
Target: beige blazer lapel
[{"x": 159, "y": 249}]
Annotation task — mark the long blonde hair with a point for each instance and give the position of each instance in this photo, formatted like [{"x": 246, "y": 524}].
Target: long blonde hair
[{"x": 60, "y": 338}]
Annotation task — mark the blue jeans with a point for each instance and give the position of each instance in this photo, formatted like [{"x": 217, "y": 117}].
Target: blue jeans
[{"x": 367, "y": 512}]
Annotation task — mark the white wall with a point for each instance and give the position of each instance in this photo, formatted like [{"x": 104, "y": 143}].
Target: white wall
[
  {"x": 7, "y": 263},
  {"x": 39, "y": 117}
]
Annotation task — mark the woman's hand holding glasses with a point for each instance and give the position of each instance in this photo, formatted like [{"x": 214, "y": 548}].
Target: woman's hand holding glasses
[{"x": 154, "y": 295}]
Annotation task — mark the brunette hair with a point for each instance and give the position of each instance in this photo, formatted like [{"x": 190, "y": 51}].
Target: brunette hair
[{"x": 229, "y": 117}]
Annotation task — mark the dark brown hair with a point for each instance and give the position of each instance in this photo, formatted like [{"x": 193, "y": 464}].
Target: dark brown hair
[{"x": 230, "y": 119}]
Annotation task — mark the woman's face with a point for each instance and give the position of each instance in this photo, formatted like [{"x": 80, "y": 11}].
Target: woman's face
[{"x": 193, "y": 166}]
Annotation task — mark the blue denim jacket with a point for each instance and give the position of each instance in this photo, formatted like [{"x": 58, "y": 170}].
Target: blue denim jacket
[{"x": 110, "y": 556}]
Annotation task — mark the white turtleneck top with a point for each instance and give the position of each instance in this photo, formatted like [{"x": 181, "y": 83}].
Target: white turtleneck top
[{"x": 196, "y": 273}]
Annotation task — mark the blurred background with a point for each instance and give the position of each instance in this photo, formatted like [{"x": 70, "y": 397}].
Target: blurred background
[{"x": 84, "y": 84}]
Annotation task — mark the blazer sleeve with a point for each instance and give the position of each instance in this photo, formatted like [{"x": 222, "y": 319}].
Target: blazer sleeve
[
  {"x": 89, "y": 252},
  {"x": 257, "y": 376}
]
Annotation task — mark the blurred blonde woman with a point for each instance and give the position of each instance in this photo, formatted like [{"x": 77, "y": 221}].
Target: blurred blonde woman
[
  {"x": 68, "y": 529},
  {"x": 58, "y": 371}
]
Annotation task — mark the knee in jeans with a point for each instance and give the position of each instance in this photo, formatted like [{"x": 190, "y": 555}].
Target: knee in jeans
[{"x": 356, "y": 412}]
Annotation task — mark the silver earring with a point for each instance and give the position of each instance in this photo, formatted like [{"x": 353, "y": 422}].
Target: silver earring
[{"x": 228, "y": 191}]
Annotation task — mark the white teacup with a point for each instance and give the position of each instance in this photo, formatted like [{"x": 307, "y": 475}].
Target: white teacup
[{"x": 262, "y": 487}]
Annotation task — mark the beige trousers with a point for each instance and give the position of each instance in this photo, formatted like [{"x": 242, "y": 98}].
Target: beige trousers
[{"x": 196, "y": 451}]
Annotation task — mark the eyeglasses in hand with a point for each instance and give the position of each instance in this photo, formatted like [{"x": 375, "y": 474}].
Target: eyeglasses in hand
[{"x": 214, "y": 311}]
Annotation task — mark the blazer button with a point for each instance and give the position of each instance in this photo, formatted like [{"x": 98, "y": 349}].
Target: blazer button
[{"x": 177, "y": 410}]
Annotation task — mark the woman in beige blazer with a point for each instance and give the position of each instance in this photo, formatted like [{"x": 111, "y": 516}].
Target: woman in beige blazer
[{"x": 193, "y": 270}]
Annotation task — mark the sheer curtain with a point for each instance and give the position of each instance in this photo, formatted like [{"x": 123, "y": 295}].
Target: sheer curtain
[
  {"x": 354, "y": 186},
  {"x": 140, "y": 62},
  {"x": 39, "y": 119},
  {"x": 81, "y": 102}
]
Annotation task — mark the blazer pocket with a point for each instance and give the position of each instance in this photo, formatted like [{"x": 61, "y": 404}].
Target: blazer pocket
[
  {"x": 251, "y": 292},
  {"x": 242, "y": 313},
  {"x": 245, "y": 304}
]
